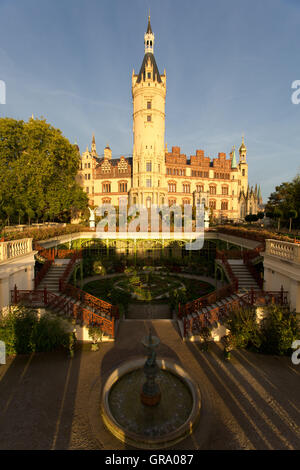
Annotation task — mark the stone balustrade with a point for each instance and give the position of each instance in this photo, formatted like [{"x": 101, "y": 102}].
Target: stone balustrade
[
  {"x": 14, "y": 248},
  {"x": 284, "y": 250}
]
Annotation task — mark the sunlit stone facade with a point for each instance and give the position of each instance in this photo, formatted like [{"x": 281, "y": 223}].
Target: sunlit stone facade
[{"x": 154, "y": 175}]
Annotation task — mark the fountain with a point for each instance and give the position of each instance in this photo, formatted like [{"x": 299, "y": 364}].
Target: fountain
[
  {"x": 152, "y": 403},
  {"x": 150, "y": 394}
]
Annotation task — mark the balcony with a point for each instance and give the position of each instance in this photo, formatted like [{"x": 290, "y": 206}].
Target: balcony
[
  {"x": 283, "y": 250},
  {"x": 14, "y": 248}
]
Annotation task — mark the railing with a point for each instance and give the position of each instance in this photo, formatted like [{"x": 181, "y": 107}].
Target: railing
[
  {"x": 195, "y": 322},
  {"x": 44, "y": 298},
  {"x": 209, "y": 319},
  {"x": 220, "y": 255},
  {"x": 65, "y": 276},
  {"x": 48, "y": 255},
  {"x": 284, "y": 250},
  {"x": 97, "y": 304},
  {"x": 266, "y": 297},
  {"x": 15, "y": 248}
]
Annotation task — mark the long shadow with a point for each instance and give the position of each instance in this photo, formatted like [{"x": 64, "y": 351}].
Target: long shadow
[
  {"x": 37, "y": 396},
  {"x": 269, "y": 383},
  {"x": 258, "y": 421},
  {"x": 230, "y": 394}
]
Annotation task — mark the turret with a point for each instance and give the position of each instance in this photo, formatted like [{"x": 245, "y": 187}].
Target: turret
[
  {"x": 243, "y": 152},
  {"x": 107, "y": 152},
  {"x": 93, "y": 149},
  {"x": 149, "y": 39}
]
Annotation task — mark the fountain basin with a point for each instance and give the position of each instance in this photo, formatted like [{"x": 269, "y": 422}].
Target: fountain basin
[{"x": 159, "y": 426}]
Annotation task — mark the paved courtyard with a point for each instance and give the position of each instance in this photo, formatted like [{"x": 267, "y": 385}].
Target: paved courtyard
[{"x": 50, "y": 401}]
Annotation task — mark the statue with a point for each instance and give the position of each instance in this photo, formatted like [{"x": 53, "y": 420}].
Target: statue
[
  {"x": 150, "y": 394},
  {"x": 92, "y": 218}
]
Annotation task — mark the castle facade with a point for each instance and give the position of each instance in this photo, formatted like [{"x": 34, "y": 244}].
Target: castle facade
[{"x": 154, "y": 175}]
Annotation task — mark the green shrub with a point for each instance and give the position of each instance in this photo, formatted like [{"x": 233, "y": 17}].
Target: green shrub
[
  {"x": 279, "y": 330},
  {"x": 48, "y": 334},
  {"x": 23, "y": 332},
  {"x": 16, "y": 328},
  {"x": 244, "y": 329},
  {"x": 274, "y": 335}
]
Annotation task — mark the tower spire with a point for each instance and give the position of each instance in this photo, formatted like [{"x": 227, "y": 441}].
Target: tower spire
[
  {"x": 149, "y": 38},
  {"x": 94, "y": 151}
]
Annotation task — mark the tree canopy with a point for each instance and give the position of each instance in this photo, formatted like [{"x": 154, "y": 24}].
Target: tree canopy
[
  {"x": 284, "y": 199},
  {"x": 38, "y": 166}
]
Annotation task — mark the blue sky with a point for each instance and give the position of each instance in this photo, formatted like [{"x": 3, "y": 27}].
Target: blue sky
[{"x": 230, "y": 65}]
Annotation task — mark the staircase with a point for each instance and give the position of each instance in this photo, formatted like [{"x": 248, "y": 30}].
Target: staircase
[
  {"x": 51, "y": 279},
  {"x": 241, "y": 272},
  {"x": 211, "y": 316},
  {"x": 62, "y": 303}
]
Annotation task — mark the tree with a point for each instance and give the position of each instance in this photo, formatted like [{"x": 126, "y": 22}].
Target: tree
[
  {"x": 260, "y": 215},
  {"x": 286, "y": 197},
  {"x": 38, "y": 166},
  {"x": 278, "y": 214},
  {"x": 292, "y": 214}
]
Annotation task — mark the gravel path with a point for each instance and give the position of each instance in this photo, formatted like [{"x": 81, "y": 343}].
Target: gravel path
[{"x": 49, "y": 401}]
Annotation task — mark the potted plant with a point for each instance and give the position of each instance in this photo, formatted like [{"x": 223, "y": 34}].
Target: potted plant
[{"x": 96, "y": 334}]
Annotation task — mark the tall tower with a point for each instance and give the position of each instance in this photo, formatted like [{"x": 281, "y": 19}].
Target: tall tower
[
  {"x": 243, "y": 166},
  {"x": 149, "y": 96}
]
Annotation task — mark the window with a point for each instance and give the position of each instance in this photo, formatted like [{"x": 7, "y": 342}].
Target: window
[
  {"x": 185, "y": 201},
  {"x": 212, "y": 204},
  {"x": 149, "y": 74},
  {"x": 148, "y": 183},
  {"x": 199, "y": 188},
  {"x": 149, "y": 118},
  {"x": 123, "y": 187},
  {"x": 212, "y": 190},
  {"x": 172, "y": 187},
  {"x": 225, "y": 190},
  {"x": 89, "y": 176},
  {"x": 243, "y": 172},
  {"x": 148, "y": 166},
  {"x": 89, "y": 165},
  {"x": 159, "y": 168},
  {"x": 186, "y": 188},
  {"x": 148, "y": 104},
  {"x": 87, "y": 190},
  {"x": 106, "y": 187},
  {"x": 172, "y": 201},
  {"x": 224, "y": 205}
]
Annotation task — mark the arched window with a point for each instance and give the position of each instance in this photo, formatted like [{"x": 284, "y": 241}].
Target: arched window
[
  {"x": 212, "y": 189},
  {"x": 212, "y": 204}
]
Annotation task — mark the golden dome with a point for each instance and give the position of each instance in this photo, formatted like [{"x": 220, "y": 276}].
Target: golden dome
[{"x": 243, "y": 146}]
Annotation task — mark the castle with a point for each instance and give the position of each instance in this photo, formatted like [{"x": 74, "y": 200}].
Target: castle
[{"x": 153, "y": 175}]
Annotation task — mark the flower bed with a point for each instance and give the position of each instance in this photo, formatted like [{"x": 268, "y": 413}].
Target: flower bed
[
  {"x": 252, "y": 234},
  {"x": 45, "y": 233}
]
